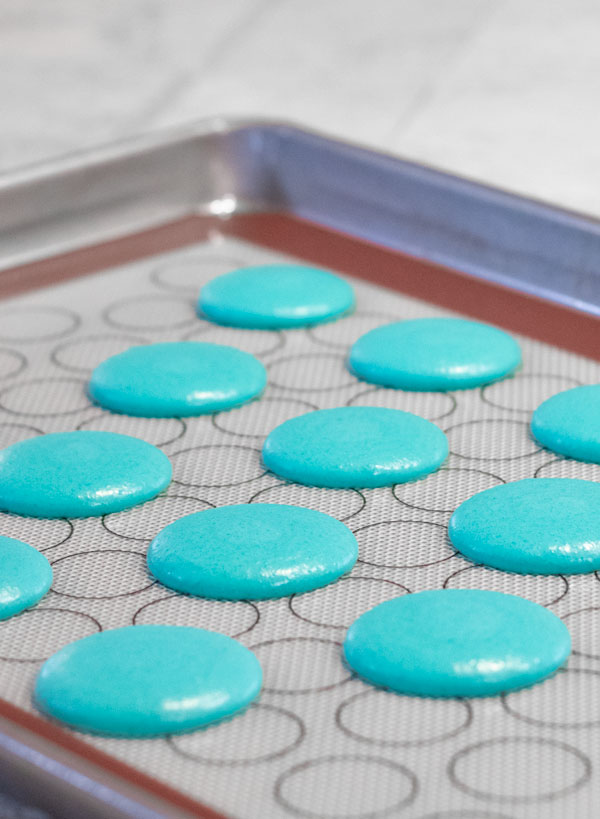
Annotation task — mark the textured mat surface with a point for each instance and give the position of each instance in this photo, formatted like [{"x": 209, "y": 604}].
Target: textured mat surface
[{"x": 319, "y": 743}]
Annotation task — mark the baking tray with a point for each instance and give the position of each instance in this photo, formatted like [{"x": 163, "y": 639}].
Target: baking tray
[{"x": 148, "y": 216}]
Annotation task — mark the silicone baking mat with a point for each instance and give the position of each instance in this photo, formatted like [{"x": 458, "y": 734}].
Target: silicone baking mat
[{"x": 319, "y": 743}]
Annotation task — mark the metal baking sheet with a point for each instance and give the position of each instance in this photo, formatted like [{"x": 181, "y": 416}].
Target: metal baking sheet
[{"x": 319, "y": 743}]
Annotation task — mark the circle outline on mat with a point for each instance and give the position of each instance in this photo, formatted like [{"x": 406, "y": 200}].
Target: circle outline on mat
[
  {"x": 507, "y": 574},
  {"x": 403, "y": 565},
  {"x": 54, "y": 545},
  {"x": 291, "y": 483},
  {"x": 45, "y": 380},
  {"x": 580, "y": 611},
  {"x": 263, "y": 401},
  {"x": 445, "y": 393},
  {"x": 104, "y": 596},
  {"x": 342, "y": 345},
  {"x": 192, "y": 597},
  {"x": 238, "y": 763},
  {"x": 154, "y": 276},
  {"x": 548, "y": 797},
  {"x": 173, "y": 455},
  {"x": 520, "y": 376},
  {"x": 550, "y": 723},
  {"x": 279, "y": 343},
  {"x": 470, "y": 814},
  {"x": 139, "y": 505},
  {"x": 36, "y": 430},
  {"x": 74, "y": 318},
  {"x": 341, "y": 580},
  {"x": 560, "y": 460},
  {"x": 139, "y": 300},
  {"x": 491, "y": 458},
  {"x": 106, "y": 414},
  {"x": 295, "y": 357},
  {"x": 22, "y": 362},
  {"x": 40, "y": 610},
  {"x": 311, "y": 763},
  {"x": 299, "y": 691},
  {"x": 398, "y": 743},
  {"x": 443, "y": 469},
  {"x": 54, "y": 357}
]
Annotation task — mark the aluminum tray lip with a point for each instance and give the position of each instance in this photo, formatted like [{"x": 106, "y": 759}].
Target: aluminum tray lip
[
  {"x": 114, "y": 149},
  {"x": 126, "y": 147},
  {"x": 226, "y": 165}
]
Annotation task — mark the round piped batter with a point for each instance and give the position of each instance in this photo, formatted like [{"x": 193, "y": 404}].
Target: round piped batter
[
  {"x": 434, "y": 354},
  {"x": 177, "y": 378},
  {"x": 25, "y": 576},
  {"x": 275, "y": 296},
  {"x": 533, "y": 526},
  {"x": 456, "y": 643},
  {"x": 80, "y": 474},
  {"x": 569, "y": 423},
  {"x": 143, "y": 681},
  {"x": 355, "y": 447},
  {"x": 252, "y": 552}
]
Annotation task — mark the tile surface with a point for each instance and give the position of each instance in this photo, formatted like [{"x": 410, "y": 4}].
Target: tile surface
[{"x": 499, "y": 90}]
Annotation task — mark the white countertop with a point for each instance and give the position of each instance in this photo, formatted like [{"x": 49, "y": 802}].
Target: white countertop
[{"x": 503, "y": 91}]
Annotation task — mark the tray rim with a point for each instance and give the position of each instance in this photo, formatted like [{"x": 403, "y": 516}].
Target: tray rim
[
  {"x": 252, "y": 165},
  {"x": 127, "y": 146}
]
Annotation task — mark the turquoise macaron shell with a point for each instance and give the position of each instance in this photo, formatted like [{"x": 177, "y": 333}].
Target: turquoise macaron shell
[
  {"x": 80, "y": 474},
  {"x": 25, "y": 576},
  {"x": 569, "y": 423},
  {"x": 433, "y": 354},
  {"x": 143, "y": 681},
  {"x": 355, "y": 447},
  {"x": 178, "y": 378},
  {"x": 456, "y": 643},
  {"x": 252, "y": 552},
  {"x": 532, "y": 526},
  {"x": 275, "y": 296}
]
